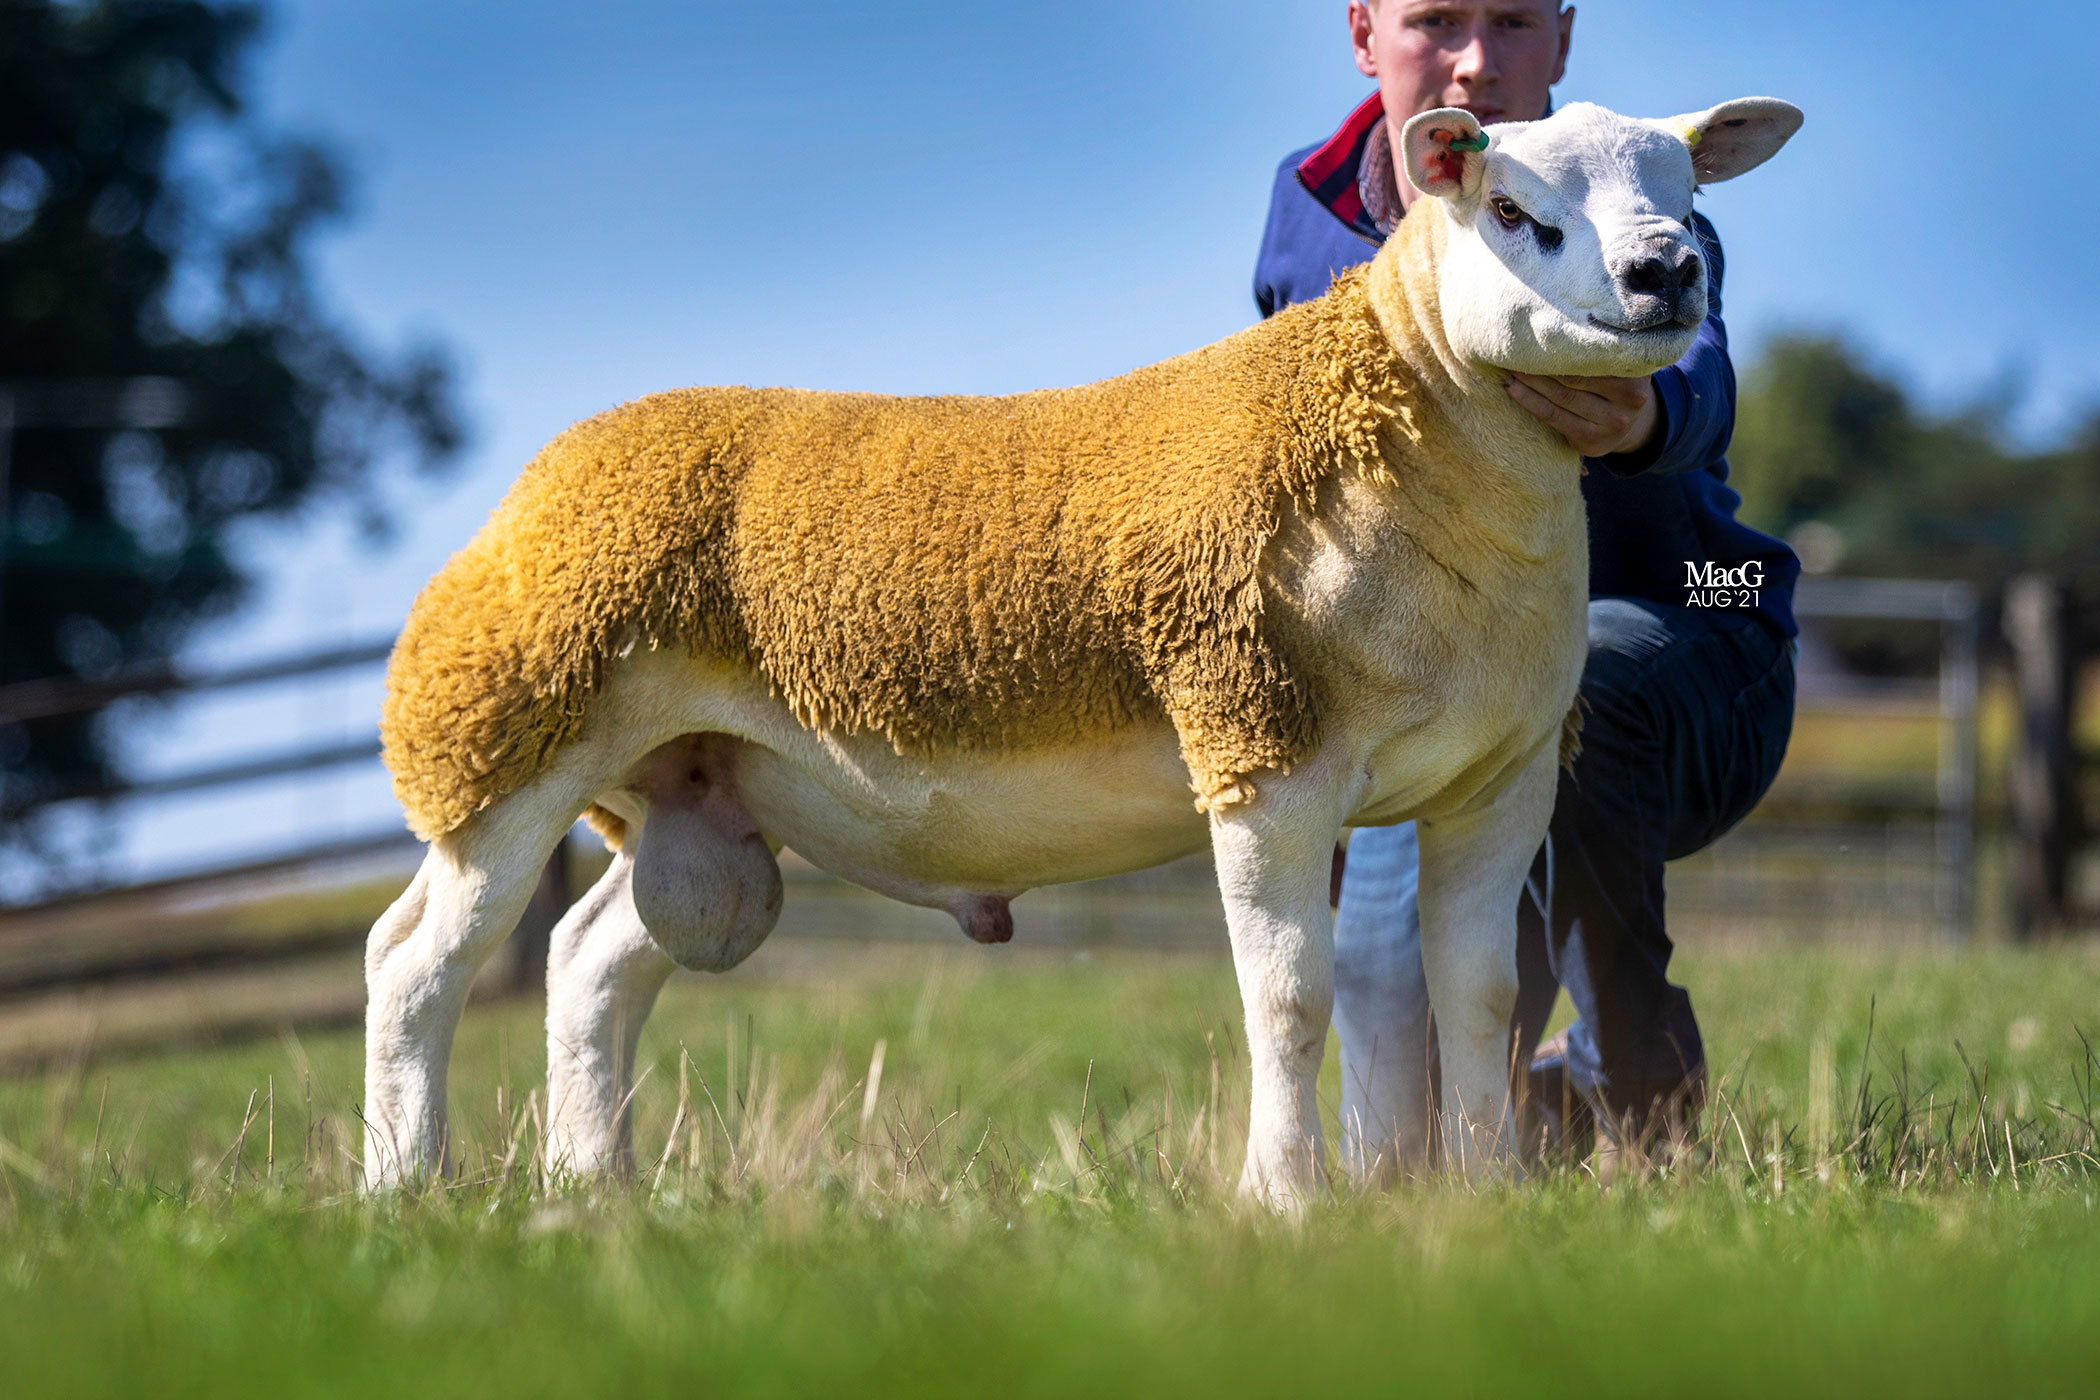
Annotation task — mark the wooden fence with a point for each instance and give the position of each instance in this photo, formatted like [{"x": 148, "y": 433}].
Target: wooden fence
[
  {"x": 42, "y": 944},
  {"x": 123, "y": 935}
]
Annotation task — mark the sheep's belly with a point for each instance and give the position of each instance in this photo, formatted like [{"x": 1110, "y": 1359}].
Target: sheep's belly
[
  {"x": 920, "y": 828},
  {"x": 938, "y": 830},
  {"x": 927, "y": 830}
]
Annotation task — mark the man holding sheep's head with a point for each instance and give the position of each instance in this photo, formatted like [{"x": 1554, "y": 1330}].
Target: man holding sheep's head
[{"x": 1688, "y": 706}]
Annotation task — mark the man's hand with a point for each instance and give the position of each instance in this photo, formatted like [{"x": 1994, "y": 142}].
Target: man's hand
[{"x": 1597, "y": 416}]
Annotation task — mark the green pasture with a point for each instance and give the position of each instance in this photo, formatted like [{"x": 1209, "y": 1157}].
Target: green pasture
[{"x": 1036, "y": 1199}]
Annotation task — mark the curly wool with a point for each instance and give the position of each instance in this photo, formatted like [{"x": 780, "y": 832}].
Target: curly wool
[{"x": 945, "y": 572}]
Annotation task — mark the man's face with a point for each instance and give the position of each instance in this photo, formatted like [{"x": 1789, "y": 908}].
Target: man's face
[{"x": 1498, "y": 59}]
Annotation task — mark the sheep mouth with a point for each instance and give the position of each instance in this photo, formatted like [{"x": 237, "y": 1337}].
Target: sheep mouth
[{"x": 1669, "y": 327}]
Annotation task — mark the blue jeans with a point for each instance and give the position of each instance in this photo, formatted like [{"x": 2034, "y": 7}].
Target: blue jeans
[{"x": 1688, "y": 715}]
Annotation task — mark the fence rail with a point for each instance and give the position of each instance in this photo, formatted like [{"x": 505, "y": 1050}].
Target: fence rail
[
  {"x": 1953, "y": 606},
  {"x": 29, "y": 701},
  {"x": 1936, "y": 817},
  {"x": 68, "y": 695},
  {"x": 31, "y": 961}
]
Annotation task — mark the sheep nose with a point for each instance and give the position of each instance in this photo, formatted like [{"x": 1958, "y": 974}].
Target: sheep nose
[
  {"x": 1657, "y": 275},
  {"x": 1657, "y": 281}
]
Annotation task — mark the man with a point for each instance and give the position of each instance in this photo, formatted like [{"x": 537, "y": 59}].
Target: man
[{"x": 1688, "y": 695}]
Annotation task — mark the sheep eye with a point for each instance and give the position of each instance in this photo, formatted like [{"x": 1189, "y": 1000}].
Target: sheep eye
[{"x": 1507, "y": 212}]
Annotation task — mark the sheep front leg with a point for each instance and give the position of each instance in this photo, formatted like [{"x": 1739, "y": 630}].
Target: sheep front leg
[
  {"x": 1274, "y": 860},
  {"x": 1473, "y": 867},
  {"x": 603, "y": 974}
]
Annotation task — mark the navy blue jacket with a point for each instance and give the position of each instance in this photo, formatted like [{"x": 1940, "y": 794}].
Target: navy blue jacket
[{"x": 1650, "y": 513}]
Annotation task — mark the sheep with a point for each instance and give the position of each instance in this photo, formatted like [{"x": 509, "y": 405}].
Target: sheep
[{"x": 1322, "y": 573}]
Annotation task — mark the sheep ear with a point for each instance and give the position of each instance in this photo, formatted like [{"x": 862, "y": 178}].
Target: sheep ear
[
  {"x": 1445, "y": 152},
  {"x": 1736, "y": 136}
]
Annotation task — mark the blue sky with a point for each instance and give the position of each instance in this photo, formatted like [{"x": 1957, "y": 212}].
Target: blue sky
[
  {"x": 594, "y": 202},
  {"x": 588, "y": 203}
]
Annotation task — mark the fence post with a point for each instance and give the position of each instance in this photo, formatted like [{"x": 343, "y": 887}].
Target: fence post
[
  {"x": 529, "y": 941},
  {"x": 2043, "y": 800},
  {"x": 1956, "y": 788}
]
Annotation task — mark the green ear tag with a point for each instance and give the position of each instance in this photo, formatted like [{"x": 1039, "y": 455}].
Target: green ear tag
[{"x": 1472, "y": 143}]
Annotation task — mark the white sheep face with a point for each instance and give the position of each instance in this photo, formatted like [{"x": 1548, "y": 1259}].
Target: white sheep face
[{"x": 1571, "y": 250}]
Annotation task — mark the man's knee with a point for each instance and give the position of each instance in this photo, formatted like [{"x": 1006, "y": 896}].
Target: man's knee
[{"x": 1653, "y": 667}]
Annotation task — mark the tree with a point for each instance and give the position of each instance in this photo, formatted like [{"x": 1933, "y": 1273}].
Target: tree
[
  {"x": 150, "y": 226},
  {"x": 1822, "y": 438}
]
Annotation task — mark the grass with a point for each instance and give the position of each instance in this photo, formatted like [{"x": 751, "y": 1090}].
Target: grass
[{"x": 1036, "y": 1199}]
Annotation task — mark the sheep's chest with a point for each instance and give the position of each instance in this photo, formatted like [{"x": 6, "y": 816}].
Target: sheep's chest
[{"x": 1445, "y": 660}]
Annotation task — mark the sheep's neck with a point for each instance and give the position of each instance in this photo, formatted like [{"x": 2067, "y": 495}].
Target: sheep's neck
[
  {"x": 1406, "y": 296},
  {"x": 1468, "y": 442}
]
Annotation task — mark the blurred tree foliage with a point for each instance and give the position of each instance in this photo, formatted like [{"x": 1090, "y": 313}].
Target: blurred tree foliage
[
  {"x": 151, "y": 225},
  {"x": 1824, "y": 442}
]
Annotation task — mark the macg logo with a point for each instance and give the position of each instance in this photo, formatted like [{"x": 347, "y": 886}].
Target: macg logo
[{"x": 1709, "y": 585}]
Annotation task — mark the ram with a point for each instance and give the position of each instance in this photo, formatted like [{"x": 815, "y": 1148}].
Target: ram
[{"x": 1321, "y": 573}]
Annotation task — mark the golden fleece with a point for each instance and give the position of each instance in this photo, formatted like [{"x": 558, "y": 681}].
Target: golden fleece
[{"x": 946, "y": 572}]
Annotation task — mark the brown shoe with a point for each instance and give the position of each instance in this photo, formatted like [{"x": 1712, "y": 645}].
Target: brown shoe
[
  {"x": 1558, "y": 1121},
  {"x": 1667, "y": 1140}
]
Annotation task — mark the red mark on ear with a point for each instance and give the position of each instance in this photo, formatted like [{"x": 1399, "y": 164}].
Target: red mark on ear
[{"x": 1445, "y": 165}]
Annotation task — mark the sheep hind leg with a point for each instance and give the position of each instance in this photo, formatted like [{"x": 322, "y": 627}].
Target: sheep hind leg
[
  {"x": 696, "y": 886},
  {"x": 420, "y": 962},
  {"x": 603, "y": 974}
]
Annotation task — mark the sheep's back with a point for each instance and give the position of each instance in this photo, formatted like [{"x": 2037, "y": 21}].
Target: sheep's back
[{"x": 947, "y": 572}]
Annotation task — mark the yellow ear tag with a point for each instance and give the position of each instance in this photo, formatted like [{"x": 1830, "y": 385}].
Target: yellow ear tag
[{"x": 1692, "y": 135}]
